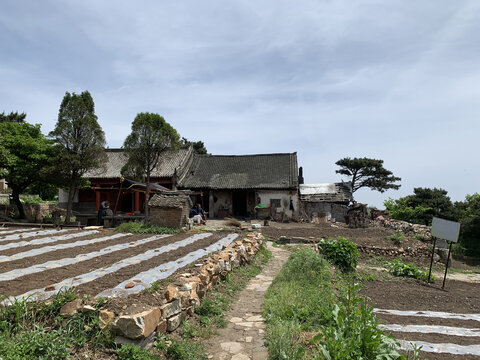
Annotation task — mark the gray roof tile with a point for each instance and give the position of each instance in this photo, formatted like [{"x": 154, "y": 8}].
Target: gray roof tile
[
  {"x": 116, "y": 158},
  {"x": 263, "y": 171}
]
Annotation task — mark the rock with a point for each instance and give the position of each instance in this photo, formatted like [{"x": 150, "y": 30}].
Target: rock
[
  {"x": 174, "y": 322},
  {"x": 87, "y": 308},
  {"x": 173, "y": 308},
  {"x": 162, "y": 326},
  {"x": 140, "y": 325},
  {"x": 129, "y": 285},
  {"x": 71, "y": 308},
  {"x": 146, "y": 343},
  {"x": 171, "y": 293},
  {"x": 105, "y": 318}
]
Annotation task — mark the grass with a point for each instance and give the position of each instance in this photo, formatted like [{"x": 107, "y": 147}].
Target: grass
[
  {"x": 34, "y": 330},
  {"x": 139, "y": 228},
  {"x": 310, "y": 318}
]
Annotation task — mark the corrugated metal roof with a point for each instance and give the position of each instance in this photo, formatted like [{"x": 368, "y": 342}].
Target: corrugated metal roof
[
  {"x": 262, "y": 171},
  {"x": 116, "y": 158}
]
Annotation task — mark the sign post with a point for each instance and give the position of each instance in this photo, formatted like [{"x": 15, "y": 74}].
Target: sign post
[{"x": 449, "y": 231}]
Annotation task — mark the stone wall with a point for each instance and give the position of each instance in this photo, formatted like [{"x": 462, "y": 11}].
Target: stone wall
[
  {"x": 177, "y": 301},
  {"x": 170, "y": 217},
  {"x": 403, "y": 226},
  {"x": 33, "y": 212},
  {"x": 335, "y": 212}
]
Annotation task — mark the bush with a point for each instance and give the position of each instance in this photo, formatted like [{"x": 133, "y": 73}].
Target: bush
[
  {"x": 340, "y": 252},
  {"x": 398, "y": 268}
]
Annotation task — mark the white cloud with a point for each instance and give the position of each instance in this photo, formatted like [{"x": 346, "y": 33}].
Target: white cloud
[{"x": 327, "y": 79}]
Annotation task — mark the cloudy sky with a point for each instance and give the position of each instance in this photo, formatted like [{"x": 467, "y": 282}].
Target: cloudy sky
[{"x": 393, "y": 80}]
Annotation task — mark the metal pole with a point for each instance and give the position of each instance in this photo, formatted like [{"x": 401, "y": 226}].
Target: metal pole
[
  {"x": 446, "y": 266},
  {"x": 431, "y": 260}
]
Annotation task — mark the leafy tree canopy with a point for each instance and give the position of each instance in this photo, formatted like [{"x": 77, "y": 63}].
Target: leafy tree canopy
[
  {"x": 198, "y": 146},
  {"x": 370, "y": 173},
  {"x": 24, "y": 152},
  {"x": 13, "y": 116},
  {"x": 79, "y": 142},
  {"x": 150, "y": 136}
]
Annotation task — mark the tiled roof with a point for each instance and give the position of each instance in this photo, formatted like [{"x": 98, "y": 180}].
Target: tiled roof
[
  {"x": 264, "y": 171},
  {"x": 173, "y": 200},
  {"x": 329, "y": 192},
  {"x": 169, "y": 161}
]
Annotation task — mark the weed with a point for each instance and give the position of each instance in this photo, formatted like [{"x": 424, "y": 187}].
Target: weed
[
  {"x": 340, "y": 252},
  {"x": 133, "y": 352},
  {"x": 398, "y": 268},
  {"x": 397, "y": 238},
  {"x": 368, "y": 277},
  {"x": 180, "y": 349},
  {"x": 420, "y": 236}
]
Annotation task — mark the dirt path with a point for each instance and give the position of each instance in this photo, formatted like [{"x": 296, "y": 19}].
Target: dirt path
[{"x": 243, "y": 338}]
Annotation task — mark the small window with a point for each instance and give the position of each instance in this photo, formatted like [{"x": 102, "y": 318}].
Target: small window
[{"x": 275, "y": 203}]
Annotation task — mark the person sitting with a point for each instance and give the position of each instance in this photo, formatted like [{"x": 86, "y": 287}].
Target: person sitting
[{"x": 197, "y": 214}]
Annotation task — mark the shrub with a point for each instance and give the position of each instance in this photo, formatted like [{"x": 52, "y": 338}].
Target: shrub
[
  {"x": 340, "y": 252},
  {"x": 398, "y": 268}
]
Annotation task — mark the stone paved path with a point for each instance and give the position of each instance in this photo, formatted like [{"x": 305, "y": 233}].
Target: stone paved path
[{"x": 243, "y": 338}]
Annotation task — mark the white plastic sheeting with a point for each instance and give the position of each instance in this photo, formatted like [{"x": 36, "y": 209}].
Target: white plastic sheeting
[
  {"x": 41, "y": 294},
  {"x": 432, "y": 329},
  {"x": 10, "y": 275},
  {"x": 431, "y": 314},
  {"x": 46, "y": 240},
  {"x": 28, "y": 234},
  {"x": 6, "y": 231},
  {"x": 50, "y": 248},
  {"x": 146, "y": 278},
  {"x": 441, "y": 348}
]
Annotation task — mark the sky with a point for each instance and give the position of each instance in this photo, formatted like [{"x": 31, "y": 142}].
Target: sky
[{"x": 393, "y": 80}]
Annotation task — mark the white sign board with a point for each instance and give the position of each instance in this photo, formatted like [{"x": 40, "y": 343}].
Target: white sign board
[{"x": 445, "y": 229}]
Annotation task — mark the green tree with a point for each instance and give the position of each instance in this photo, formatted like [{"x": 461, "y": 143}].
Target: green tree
[
  {"x": 468, "y": 212},
  {"x": 198, "y": 146},
  {"x": 13, "y": 116},
  {"x": 150, "y": 136},
  {"x": 370, "y": 173},
  {"x": 79, "y": 143},
  {"x": 24, "y": 152},
  {"x": 436, "y": 200}
]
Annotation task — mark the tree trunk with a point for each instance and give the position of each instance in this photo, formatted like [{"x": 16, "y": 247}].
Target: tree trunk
[
  {"x": 147, "y": 197},
  {"x": 18, "y": 203},
  {"x": 71, "y": 195}
]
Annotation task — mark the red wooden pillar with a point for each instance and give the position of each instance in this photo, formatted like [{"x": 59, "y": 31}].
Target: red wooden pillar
[
  {"x": 137, "y": 201},
  {"x": 97, "y": 198}
]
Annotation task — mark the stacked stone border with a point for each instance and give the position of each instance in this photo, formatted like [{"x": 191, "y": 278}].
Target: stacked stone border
[{"x": 177, "y": 301}]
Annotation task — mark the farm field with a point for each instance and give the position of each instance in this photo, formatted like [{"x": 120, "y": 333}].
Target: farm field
[
  {"x": 446, "y": 323},
  {"x": 38, "y": 263}
]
